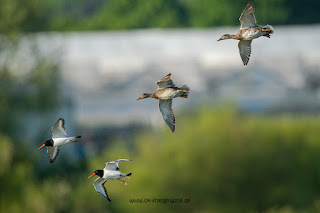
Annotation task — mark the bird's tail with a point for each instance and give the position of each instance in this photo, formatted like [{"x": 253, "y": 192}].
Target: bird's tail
[
  {"x": 76, "y": 140},
  {"x": 185, "y": 87},
  {"x": 185, "y": 91},
  {"x": 268, "y": 29}
]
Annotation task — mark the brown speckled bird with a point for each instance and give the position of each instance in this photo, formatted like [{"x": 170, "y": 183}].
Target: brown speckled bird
[
  {"x": 249, "y": 30},
  {"x": 165, "y": 93}
]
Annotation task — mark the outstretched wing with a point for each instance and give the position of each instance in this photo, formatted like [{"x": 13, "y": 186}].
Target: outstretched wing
[
  {"x": 99, "y": 186},
  {"x": 52, "y": 152},
  {"x": 165, "y": 107},
  {"x": 245, "y": 50},
  {"x": 114, "y": 165},
  {"x": 58, "y": 130},
  {"x": 165, "y": 82},
  {"x": 247, "y": 18}
]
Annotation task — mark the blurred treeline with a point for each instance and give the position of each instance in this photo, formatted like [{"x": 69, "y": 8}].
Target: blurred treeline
[
  {"x": 222, "y": 160},
  {"x": 28, "y": 89},
  {"x": 64, "y": 15}
]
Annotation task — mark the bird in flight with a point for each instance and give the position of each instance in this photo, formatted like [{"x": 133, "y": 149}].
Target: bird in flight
[
  {"x": 111, "y": 171},
  {"x": 249, "y": 30},
  {"x": 165, "y": 93},
  {"x": 59, "y": 138}
]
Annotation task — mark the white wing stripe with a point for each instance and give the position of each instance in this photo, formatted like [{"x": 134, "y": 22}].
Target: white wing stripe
[
  {"x": 113, "y": 165},
  {"x": 58, "y": 130},
  {"x": 99, "y": 186},
  {"x": 52, "y": 153}
]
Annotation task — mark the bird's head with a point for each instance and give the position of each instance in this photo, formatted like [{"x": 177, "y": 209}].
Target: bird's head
[
  {"x": 46, "y": 143},
  {"x": 144, "y": 95},
  {"x": 224, "y": 36},
  {"x": 97, "y": 172}
]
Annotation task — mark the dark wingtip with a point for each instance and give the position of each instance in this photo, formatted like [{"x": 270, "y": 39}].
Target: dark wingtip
[
  {"x": 78, "y": 137},
  {"x": 108, "y": 199},
  {"x": 129, "y": 174}
]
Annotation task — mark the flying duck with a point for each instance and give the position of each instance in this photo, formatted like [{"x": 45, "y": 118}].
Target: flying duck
[
  {"x": 249, "y": 30},
  {"x": 165, "y": 93}
]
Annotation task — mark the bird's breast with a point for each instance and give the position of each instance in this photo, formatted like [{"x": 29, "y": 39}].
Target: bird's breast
[
  {"x": 250, "y": 33},
  {"x": 61, "y": 141},
  {"x": 110, "y": 174},
  {"x": 168, "y": 93}
]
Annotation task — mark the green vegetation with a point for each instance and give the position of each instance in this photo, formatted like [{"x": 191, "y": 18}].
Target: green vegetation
[
  {"x": 27, "y": 86},
  {"x": 122, "y": 14},
  {"x": 63, "y": 15},
  {"x": 227, "y": 162}
]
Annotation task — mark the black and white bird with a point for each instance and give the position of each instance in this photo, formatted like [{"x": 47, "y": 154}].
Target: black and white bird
[
  {"x": 111, "y": 171},
  {"x": 59, "y": 138}
]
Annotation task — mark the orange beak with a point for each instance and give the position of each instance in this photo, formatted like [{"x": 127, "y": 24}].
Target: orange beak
[
  {"x": 139, "y": 99},
  {"x": 41, "y": 146},
  {"x": 92, "y": 175}
]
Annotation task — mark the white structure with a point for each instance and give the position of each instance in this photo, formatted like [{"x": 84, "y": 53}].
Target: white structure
[{"x": 105, "y": 72}]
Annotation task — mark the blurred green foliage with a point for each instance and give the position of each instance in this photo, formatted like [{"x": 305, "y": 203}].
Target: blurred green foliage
[
  {"x": 222, "y": 160},
  {"x": 28, "y": 80},
  {"x": 28, "y": 84},
  {"x": 122, "y": 14},
  {"x": 64, "y": 15},
  {"x": 20, "y": 15},
  {"x": 208, "y": 13}
]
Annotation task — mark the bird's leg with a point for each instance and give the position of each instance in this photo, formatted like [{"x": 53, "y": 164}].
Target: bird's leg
[
  {"x": 128, "y": 178},
  {"x": 125, "y": 183}
]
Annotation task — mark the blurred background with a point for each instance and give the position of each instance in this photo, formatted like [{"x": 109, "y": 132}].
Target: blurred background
[{"x": 247, "y": 139}]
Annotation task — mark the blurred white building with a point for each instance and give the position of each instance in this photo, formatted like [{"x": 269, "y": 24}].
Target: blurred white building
[{"x": 105, "y": 72}]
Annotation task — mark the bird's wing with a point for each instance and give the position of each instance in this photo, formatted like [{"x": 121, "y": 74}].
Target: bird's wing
[
  {"x": 58, "y": 130},
  {"x": 165, "y": 107},
  {"x": 114, "y": 165},
  {"x": 245, "y": 50},
  {"x": 165, "y": 82},
  {"x": 52, "y": 152},
  {"x": 99, "y": 186},
  {"x": 247, "y": 18}
]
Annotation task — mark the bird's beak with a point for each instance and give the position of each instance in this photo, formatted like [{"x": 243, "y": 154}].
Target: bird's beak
[
  {"x": 92, "y": 175},
  {"x": 139, "y": 99},
  {"x": 41, "y": 146}
]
